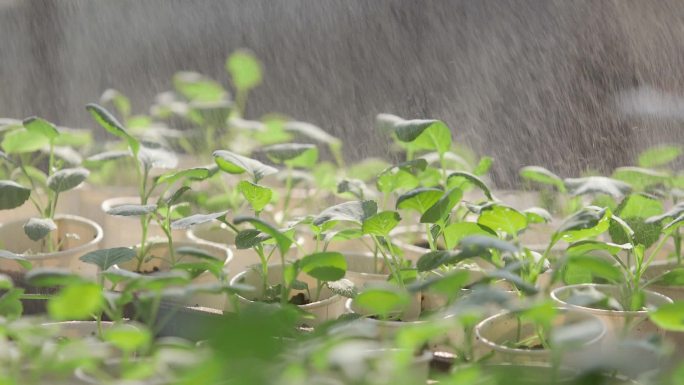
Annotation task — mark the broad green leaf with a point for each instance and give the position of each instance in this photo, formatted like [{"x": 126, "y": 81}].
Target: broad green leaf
[
  {"x": 659, "y": 155},
  {"x": 11, "y": 306},
  {"x": 541, "y": 175},
  {"x": 127, "y": 338},
  {"x": 324, "y": 266},
  {"x": 419, "y": 199},
  {"x": 424, "y": 134},
  {"x": 597, "y": 185},
  {"x": 105, "y": 119},
  {"x": 483, "y": 242},
  {"x": 596, "y": 266},
  {"x": 132, "y": 210},
  {"x": 283, "y": 241},
  {"x": 587, "y": 223},
  {"x": 41, "y": 126},
  {"x": 75, "y": 138},
  {"x": 449, "y": 284},
  {"x": 674, "y": 277},
  {"x": 22, "y": 141},
  {"x": 587, "y": 246},
  {"x": 381, "y": 223},
  {"x": 675, "y": 224},
  {"x": 669, "y": 316},
  {"x": 174, "y": 198},
  {"x": 106, "y": 258},
  {"x": 355, "y": 187},
  {"x": 244, "y": 69},
  {"x": 153, "y": 155},
  {"x": 5, "y": 254},
  {"x": 382, "y": 300},
  {"x": 279, "y": 153},
  {"x": 75, "y": 302},
  {"x": 674, "y": 212},
  {"x": 461, "y": 179},
  {"x": 640, "y": 178},
  {"x": 483, "y": 166},
  {"x": 257, "y": 196},
  {"x": 639, "y": 206},
  {"x": 355, "y": 211},
  {"x": 442, "y": 208},
  {"x": 237, "y": 164},
  {"x": 454, "y": 232},
  {"x": 197, "y": 173},
  {"x": 516, "y": 280},
  {"x": 197, "y": 87},
  {"x": 67, "y": 179},
  {"x": 196, "y": 219},
  {"x": 37, "y": 228},
  {"x": 503, "y": 218},
  {"x": 396, "y": 180},
  {"x": 634, "y": 210},
  {"x": 246, "y": 239},
  {"x": 437, "y": 258},
  {"x": 12, "y": 194}
]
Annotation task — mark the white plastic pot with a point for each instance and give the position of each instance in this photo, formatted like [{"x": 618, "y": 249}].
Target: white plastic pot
[
  {"x": 91, "y": 197},
  {"x": 161, "y": 262},
  {"x": 492, "y": 333},
  {"x": 121, "y": 231},
  {"x": 329, "y": 306},
  {"x": 76, "y": 236}
]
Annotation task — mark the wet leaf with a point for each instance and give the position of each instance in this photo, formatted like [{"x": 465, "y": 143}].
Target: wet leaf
[
  {"x": 67, "y": 179},
  {"x": 12, "y": 194},
  {"x": 37, "y": 228},
  {"x": 106, "y": 258}
]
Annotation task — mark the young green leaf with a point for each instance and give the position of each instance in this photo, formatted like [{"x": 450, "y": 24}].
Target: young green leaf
[
  {"x": 67, "y": 179},
  {"x": 42, "y": 127},
  {"x": 196, "y": 219},
  {"x": 282, "y": 240},
  {"x": 588, "y": 246},
  {"x": 424, "y": 134},
  {"x": 640, "y": 178},
  {"x": 381, "y": 223},
  {"x": 483, "y": 166},
  {"x": 461, "y": 179},
  {"x": 419, "y": 199},
  {"x": 356, "y": 211},
  {"x": 669, "y": 316},
  {"x": 109, "y": 123},
  {"x": 76, "y": 301},
  {"x": 246, "y": 239},
  {"x": 37, "y": 228},
  {"x": 127, "y": 338},
  {"x": 597, "y": 185},
  {"x": 153, "y": 155},
  {"x": 22, "y": 141},
  {"x": 442, "y": 208},
  {"x": 105, "y": 157},
  {"x": 382, "y": 300},
  {"x": 324, "y": 266},
  {"x": 106, "y": 258},
  {"x": 258, "y": 196},
  {"x": 541, "y": 175},
  {"x": 537, "y": 215},
  {"x": 502, "y": 218},
  {"x": 12, "y": 194},
  {"x": 596, "y": 266},
  {"x": 659, "y": 156},
  {"x": 237, "y": 164},
  {"x": 281, "y": 153},
  {"x": 586, "y": 223},
  {"x": 51, "y": 277},
  {"x": 197, "y": 173},
  {"x": 119, "y": 100},
  {"x": 244, "y": 69},
  {"x": 197, "y": 87},
  {"x": 454, "y": 232}
]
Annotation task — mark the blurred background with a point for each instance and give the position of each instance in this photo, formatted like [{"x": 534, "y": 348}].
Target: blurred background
[{"x": 570, "y": 84}]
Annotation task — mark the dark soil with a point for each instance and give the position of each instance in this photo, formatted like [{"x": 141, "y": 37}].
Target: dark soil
[
  {"x": 153, "y": 270},
  {"x": 299, "y": 299}
]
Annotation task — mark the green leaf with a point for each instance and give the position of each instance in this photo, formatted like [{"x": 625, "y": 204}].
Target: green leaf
[
  {"x": 596, "y": 266},
  {"x": 244, "y": 69},
  {"x": 541, "y": 175},
  {"x": 197, "y": 173},
  {"x": 419, "y": 199},
  {"x": 355, "y": 211},
  {"x": 37, "y": 228},
  {"x": 640, "y": 178},
  {"x": 454, "y": 232},
  {"x": 516, "y": 280},
  {"x": 197, "y": 87},
  {"x": 484, "y": 242},
  {"x": 587, "y": 223},
  {"x": 449, "y": 284},
  {"x": 12, "y": 194},
  {"x": 76, "y": 301},
  {"x": 440, "y": 210},
  {"x": 381, "y": 223},
  {"x": 41, "y": 126},
  {"x": 257, "y": 196},
  {"x": 22, "y": 141},
  {"x": 106, "y": 258},
  {"x": 537, "y": 215},
  {"x": 674, "y": 212},
  {"x": 597, "y": 185},
  {"x": 246, "y": 239},
  {"x": 324, "y": 266},
  {"x": 437, "y": 258},
  {"x": 502, "y": 218},
  {"x": 674, "y": 277},
  {"x": 196, "y": 219},
  {"x": 669, "y": 316},
  {"x": 675, "y": 224},
  {"x": 382, "y": 300},
  {"x": 5, "y": 254},
  {"x": 424, "y": 134},
  {"x": 639, "y": 206},
  {"x": 119, "y": 100},
  {"x": 587, "y": 246},
  {"x": 283, "y": 241},
  {"x": 11, "y": 306},
  {"x": 105, "y": 119},
  {"x": 132, "y": 210},
  {"x": 659, "y": 155},
  {"x": 75, "y": 138},
  {"x": 153, "y": 155},
  {"x": 483, "y": 166},
  {"x": 67, "y": 179},
  {"x": 281, "y": 153},
  {"x": 105, "y": 157},
  {"x": 127, "y": 338},
  {"x": 237, "y": 164},
  {"x": 461, "y": 179}
]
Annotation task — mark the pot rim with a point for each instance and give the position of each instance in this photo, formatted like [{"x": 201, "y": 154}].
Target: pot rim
[
  {"x": 64, "y": 253},
  {"x": 348, "y": 308},
  {"x": 153, "y": 243},
  {"x": 539, "y": 352},
  {"x": 333, "y": 298},
  {"x": 363, "y": 254},
  {"x": 604, "y": 312}
]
